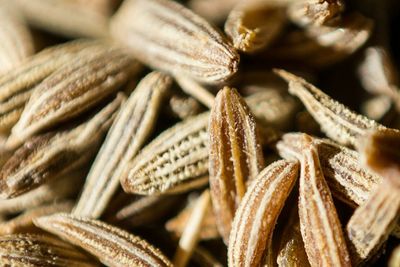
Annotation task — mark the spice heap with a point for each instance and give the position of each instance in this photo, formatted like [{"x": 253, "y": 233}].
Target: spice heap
[{"x": 192, "y": 133}]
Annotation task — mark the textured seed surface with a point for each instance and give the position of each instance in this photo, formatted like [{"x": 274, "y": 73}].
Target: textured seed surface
[
  {"x": 63, "y": 17},
  {"x": 178, "y": 156},
  {"x": 72, "y": 90},
  {"x": 40, "y": 250},
  {"x": 129, "y": 131},
  {"x": 253, "y": 25},
  {"x": 336, "y": 120},
  {"x": 251, "y": 235},
  {"x": 45, "y": 156},
  {"x": 319, "y": 224},
  {"x": 113, "y": 246},
  {"x": 17, "y": 85},
  {"x": 202, "y": 52},
  {"x": 235, "y": 155}
]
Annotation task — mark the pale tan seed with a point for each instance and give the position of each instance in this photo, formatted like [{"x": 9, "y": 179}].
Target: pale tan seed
[
  {"x": 190, "y": 235},
  {"x": 251, "y": 235},
  {"x": 52, "y": 191},
  {"x": 17, "y": 85},
  {"x": 208, "y": 229},
  {"x": 111, "y": 245},
  {"x": 51, "y": 154},
  {"x": 41, "y": 250},
  {"x": 319, "y": 224},
  {"x": 176, "y": 157},
  {"x": 211, "y": 10},
  {"x": 127, "y": 135},
  {"x": 16, "y": 41},
  {"x": 291, "y": 246},
  {"x": 72, "y": 90},
  {"x": 347, "y": 180},
  {"x": 336, "y": 120},
  {"x": 24, "y": 223},
  {"x": 235, "y": 155},
  {"x": 315, "y": 12},
  {"x": 253, "y": 25},
  {"x": 63, "y": 17},
  {"x": 201, "y": 53},
  {"x": 372, "y": 222}
]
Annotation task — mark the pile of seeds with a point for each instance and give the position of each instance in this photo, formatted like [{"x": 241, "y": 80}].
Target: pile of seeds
[{"x": 189, "y": 133}]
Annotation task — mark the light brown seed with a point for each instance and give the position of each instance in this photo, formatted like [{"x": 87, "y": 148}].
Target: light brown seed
[
  {"x": 336, "y": 120},
  {"x": 347, "y": 180},
  {"x": 214, "y": 11},
  {"x": 17, "y": 85},
  {"x": 255, "y": 219},
  {"x": 190, "y": 235},
  {"x": 395, "y": 258},
  {"x": 113, "y": 246},
  {"x": 253, "y": 25},
  {"x": 291, "y": 246},
  {"x": 127, "y": 135},
  {"x": 319, "y": 224},
  {"x": 235, "y": 155},
  {"x": 50, "y": 192},
  {"x": 24, "y": 223},
  {"x": 51, "y": 154},
  {"x": 72, "y": 90},
  {"x": 202, "y": 52},
  {"x": 63, "y": 17},
  {"x": 16, "y": 40},
  {"x": 177, "y": 157},
  {"x": 40, "y": 250},
  {"x": 315, "y": 12}
]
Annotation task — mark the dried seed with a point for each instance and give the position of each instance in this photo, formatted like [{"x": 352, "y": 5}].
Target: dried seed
[
  {"x": 72, "y": 90},
  {"x": 63, "y": 17},
  {"x": 291, "y": 248},
  {"x": 253, "y": 25},
  {"x": 372, "y": 222},
  {"x": 316, "y": 12},
  {"x": 45, "y": 156},
  {"x": 190, "y": 235},
  {"x": 24, "y": 222},
  {"x": 208, "y": 229},
  {"x": 16, "y": 86},
  {"x": 235, "y": 155},
  {"x": 129, "y": 131},
  {"x": 202, "y": 52},
  {"x": 258, "y": 212},
  {"x": 174, "y": 160},
  {"x": 336, "y": 120},
  {"x": 40, "y": 250},
  {"x": 319, "y": 224},
  {"x": 16, "y": 40},
  {"x": 50, "y": 192},
  {"x": 111, "y": 245},
  {"x": 214, "y": 11},
  {"x": 347, "y": 180}
]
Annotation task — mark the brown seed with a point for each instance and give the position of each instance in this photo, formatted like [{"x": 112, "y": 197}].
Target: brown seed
[
  {"x": 72, "y": 90},
  {"x": 46, "y": 156},
  {"x": 202, "y": 52},
  {"x": 319, "y": 224},
  {"x": 251, "y": 235},
  {"x": 40, "y": 250},
  {"x": 127, "y": 135},
  {"x": 235, "y": 155},
  {"x": 113, "y": 246}
]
